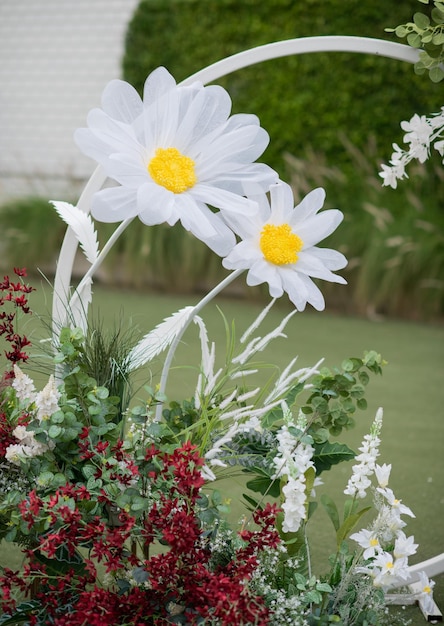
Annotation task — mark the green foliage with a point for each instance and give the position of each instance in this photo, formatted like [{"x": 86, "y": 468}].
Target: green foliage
[
  {"x": 291, "y": 96},
  {"x": 426, "y": 32},
  {"x": 335, "y": 396}
]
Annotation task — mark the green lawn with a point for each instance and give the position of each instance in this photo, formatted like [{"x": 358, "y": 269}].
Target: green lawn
[{"x": 411, "y": 392}]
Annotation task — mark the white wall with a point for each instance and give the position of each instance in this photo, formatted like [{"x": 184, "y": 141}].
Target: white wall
[{"x": 55, "y": 58}]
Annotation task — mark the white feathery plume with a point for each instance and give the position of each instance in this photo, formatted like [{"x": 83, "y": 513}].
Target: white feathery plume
[
  {"x": 83, "y": 227},
  {"x": 258, "y": 344},
  {"x": 257, "y": 322},
  {"x": 158, "y": 339}
]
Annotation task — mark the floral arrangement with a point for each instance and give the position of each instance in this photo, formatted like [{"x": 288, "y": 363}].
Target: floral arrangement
[{"x": 114, "y": 503}]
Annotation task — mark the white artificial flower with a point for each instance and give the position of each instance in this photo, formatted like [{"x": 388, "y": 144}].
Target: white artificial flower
[
  {"x": 382, "y": 473},
  {"x": 389, "y": 176},
  {"x": 439, "y": 145},
  {"x": 294, "y": 505},
  {"x": 369, "y": 541},
  {"x": 404, "y": 546},
  {"x": 21, "y": 433},
  {"x": 359, "y": 481},
  {"x": 294, "y": 458},
  {"x": 17, "y": 452},
  {"x": 396, "y": 505},
  {"x": 418, "y": 130},
  {"x": 279, "y": 245},
  {"x": 173, "y": 154},
  {"x": 388, "y": 572},
  {"x": 23, "y": 385},
  {"x": 426, "y": 593},
  {"x": 46, "y": 401},
  {"x": 389, "y": 523}
]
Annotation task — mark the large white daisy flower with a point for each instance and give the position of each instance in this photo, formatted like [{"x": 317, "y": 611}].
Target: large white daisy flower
[
  {"x": 279, "y": 245},
  {"x": 173, "y": 154}
]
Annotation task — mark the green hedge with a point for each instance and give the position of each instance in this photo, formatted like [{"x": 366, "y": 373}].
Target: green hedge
[{"x": 302, "y": 101}]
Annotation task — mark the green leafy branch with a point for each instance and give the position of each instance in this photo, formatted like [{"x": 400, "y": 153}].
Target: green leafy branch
[{"x": 426, "y": 33}]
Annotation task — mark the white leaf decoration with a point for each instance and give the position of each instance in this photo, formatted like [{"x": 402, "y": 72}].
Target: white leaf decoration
[
  {"x": 83, "y": 227},
  {"x": 158, "y": 339}
]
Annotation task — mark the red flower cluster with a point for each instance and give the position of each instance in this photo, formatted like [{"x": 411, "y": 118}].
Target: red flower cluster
[
  {"x": 16, "y": 294},
  {"x": 77, "y": 538}
]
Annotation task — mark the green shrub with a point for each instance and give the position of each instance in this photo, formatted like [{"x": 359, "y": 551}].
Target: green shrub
[{"x": 31, "y": 233}]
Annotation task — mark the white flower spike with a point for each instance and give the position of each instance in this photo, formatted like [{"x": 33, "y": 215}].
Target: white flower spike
[
  {"x": 279, "y": 246},
  {"x": 174, "y": 154}
]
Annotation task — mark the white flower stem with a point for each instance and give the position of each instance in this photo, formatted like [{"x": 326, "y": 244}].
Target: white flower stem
[
  {"x": 101, "y": 257},
  {"x": 196, "y": 309}
]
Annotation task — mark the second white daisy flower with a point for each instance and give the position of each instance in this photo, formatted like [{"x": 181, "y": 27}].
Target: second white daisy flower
[{"x": 279, "y": 245}]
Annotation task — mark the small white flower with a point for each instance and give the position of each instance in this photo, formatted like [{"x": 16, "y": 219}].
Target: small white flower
[
  {"x": 389, "y": 573},
  {"x": 439, "y": 145},
  {"x": 17, "y": 452},
  {"x": 389, "y": 176},
  {"x": 404, "y": 546},
  {"x": 359, "y": 481},
  {"x": 369, "y": 541},
  {"x": 46, "y": 401},
  {"x": 279, "y": 246},
  {"x": 20, "y": 433},
  {"x": 174, "y": 154},
  {"x": 382, "y": 473},
  {"x": 418, "y": 130},
  {"x": 426, "y": 593},
  {"x": 23, "y": 385},
  {"x": 395, "y": 504}
]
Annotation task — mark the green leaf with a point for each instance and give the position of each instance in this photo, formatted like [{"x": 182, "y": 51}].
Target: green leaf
[
  {"x": 328, "y": 454},
  {"x": 348, "y": 525},
  {"x": 264, "y": 484},
  {"x": 331, "y": 509},
  {"x": 54, "y": 431},
  {"x": 436, "y": 74},
  {"x": 252, "y": 502},
  {"x": 421, "y": 21},
  {"x": 21, "y": 613},
  {"x": 414, "y": 40},
  {"x": 361, "y": 404}
]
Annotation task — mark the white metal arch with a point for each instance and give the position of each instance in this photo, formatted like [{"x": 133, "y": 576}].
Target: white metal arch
[{"x": 289, "y": 47}]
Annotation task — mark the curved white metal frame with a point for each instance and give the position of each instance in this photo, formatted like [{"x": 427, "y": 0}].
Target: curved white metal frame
[{"x": 305, "y": 45}]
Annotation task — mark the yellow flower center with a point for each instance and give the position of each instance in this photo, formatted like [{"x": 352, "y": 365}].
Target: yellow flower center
[
  {"x": 279, "y": 244},
  {"x": 427, "y": 589},
  {"x": 172, "y": 170},
  {"x": 389, "y": 565},
  {"x": 374, "y": 542}
]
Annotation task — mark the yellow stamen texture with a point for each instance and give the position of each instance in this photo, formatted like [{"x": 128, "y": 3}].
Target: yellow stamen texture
[
  {"x": 279, "y": 244},
  {"x": 427, "y": 589},
  {"x": 374, "y": 542},
  {"x": 172, "y": 170}
]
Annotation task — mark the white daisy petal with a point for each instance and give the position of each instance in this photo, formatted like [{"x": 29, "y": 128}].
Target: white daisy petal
[
  {"x": 156, "y": 85},
  {"x": 121, "y": 101},
  {"x": 114, "y": 204},
  {"x": 156, "y": 205},
  {"x": 318, "y": 227}
]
